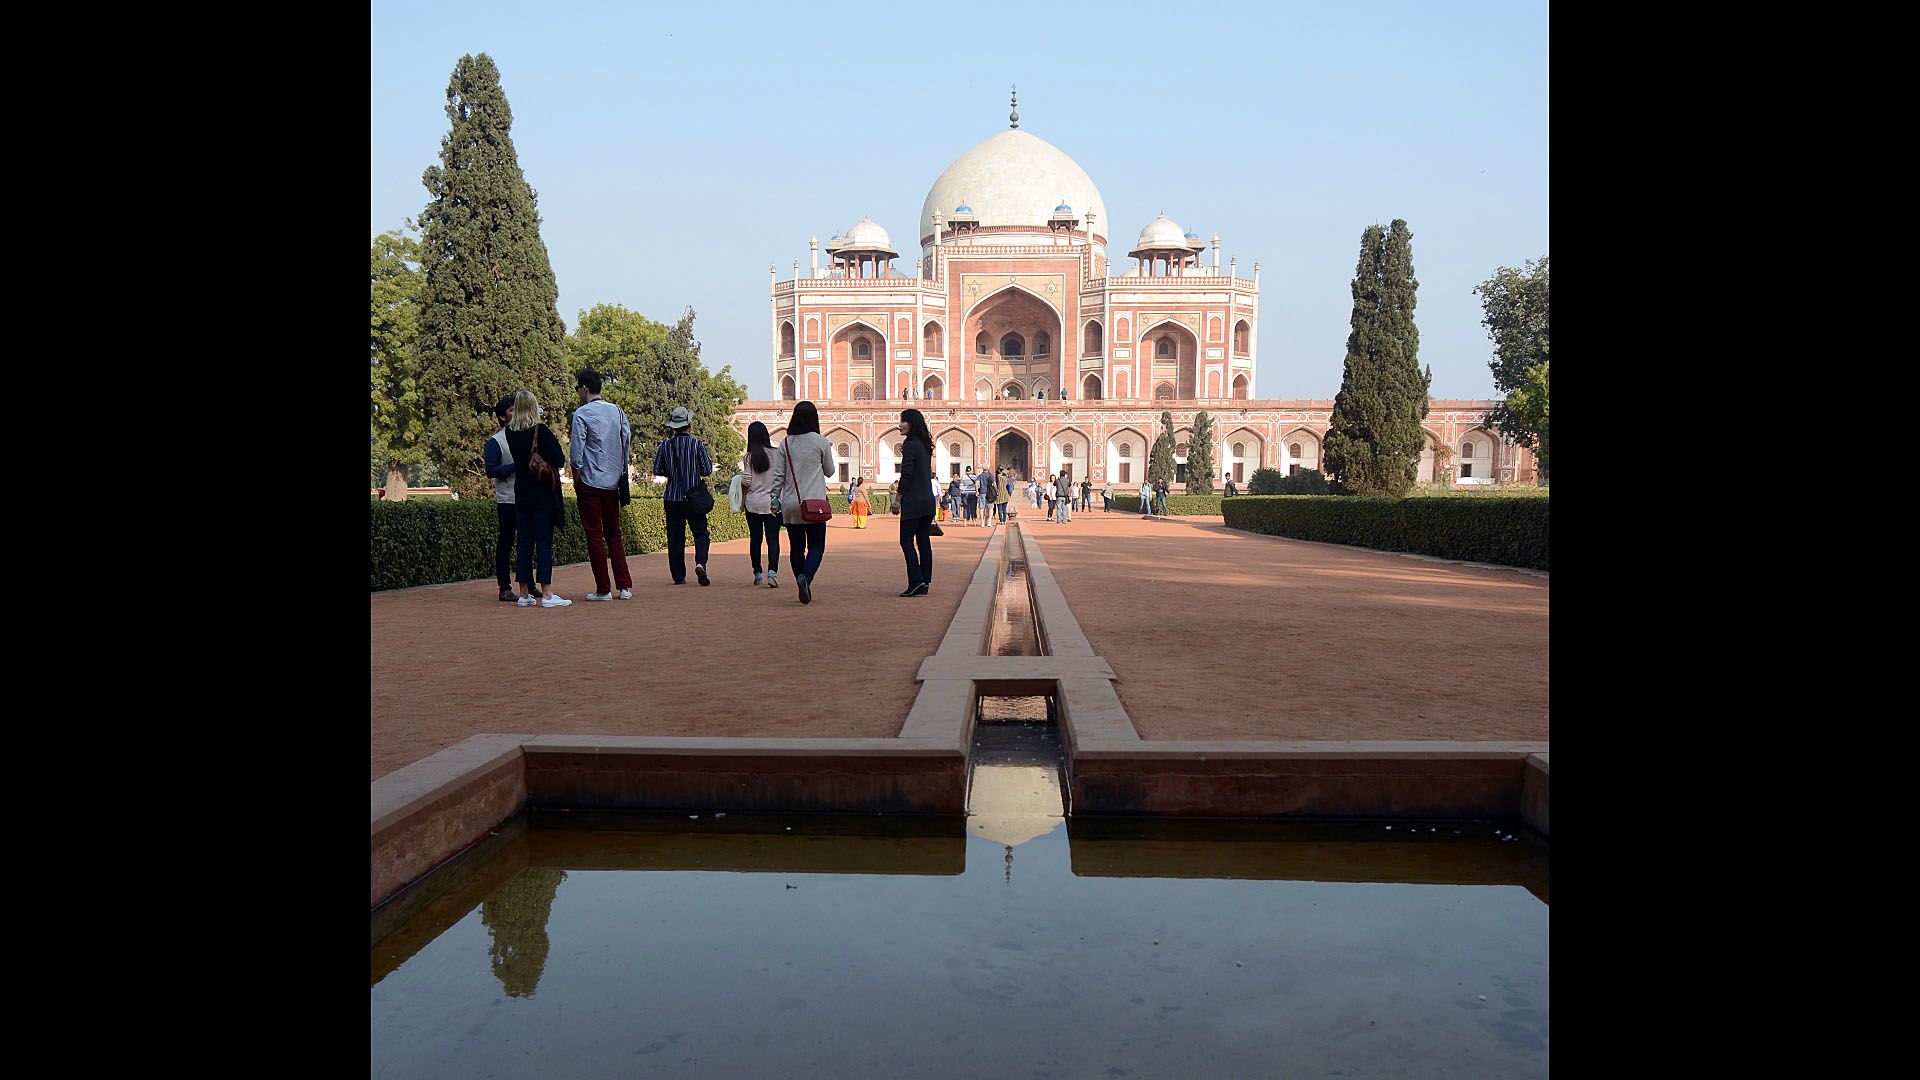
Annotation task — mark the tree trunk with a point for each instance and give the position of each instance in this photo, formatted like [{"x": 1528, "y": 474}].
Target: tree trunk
[{"x": 396, "y": 483}]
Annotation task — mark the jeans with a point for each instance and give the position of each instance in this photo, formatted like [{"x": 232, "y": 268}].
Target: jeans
[
  {"x": 600, "y": 516},
  {"x": 1003, "y": 513},
  {"x": 536, "y": 532},
  {"x": 805, "y": 543},
  {"x": 1106, "y": 504},
  {"x": 770, "y": 525},
  {"x": 678, "y": 519},
  {"x": 973, "y": 505},
  {"x": 503, "y": 549},
  {"x": 915, "y": 533},
  {"x": 1060, "y": 511},
  {"x": 1146, "y": 505},
  {"x": 1160, "y": 503}
]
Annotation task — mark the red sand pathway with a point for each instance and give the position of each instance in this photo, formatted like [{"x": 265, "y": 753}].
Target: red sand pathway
[
  {"x": 1221, "y": 634},
  {"x": 450, "y": 661},
  {"x": 1214, "y": 633}
]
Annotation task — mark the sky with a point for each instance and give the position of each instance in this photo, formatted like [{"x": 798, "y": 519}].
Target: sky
[{"x": 679, "y": 150}]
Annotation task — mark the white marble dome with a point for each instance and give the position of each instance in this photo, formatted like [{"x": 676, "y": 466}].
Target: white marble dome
[
  {"x": 867, "y": 235},
  {"x": 1014, "y": 178},
  {"x": 1161, "y": 234}
]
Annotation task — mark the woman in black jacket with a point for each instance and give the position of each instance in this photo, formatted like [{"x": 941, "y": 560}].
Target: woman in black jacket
[
  {"x": 536, "y": 500},
  {"x": 916, "y": 501}
]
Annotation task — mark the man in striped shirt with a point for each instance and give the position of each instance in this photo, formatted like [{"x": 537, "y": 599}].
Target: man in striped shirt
[{"x": 684, "y": 461}]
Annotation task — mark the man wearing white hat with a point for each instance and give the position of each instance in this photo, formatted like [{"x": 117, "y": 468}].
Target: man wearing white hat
[{"x": 684, "y": 461}]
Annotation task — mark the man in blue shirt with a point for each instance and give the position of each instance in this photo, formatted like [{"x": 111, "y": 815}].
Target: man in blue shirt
[
  {"x": 601, "y": 442},
  {"x": 684, "y": 461}
]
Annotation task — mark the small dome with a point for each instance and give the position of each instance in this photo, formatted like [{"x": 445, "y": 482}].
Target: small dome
[
  {"x": 1160, "y": 235},
  {"x": 867, "y": 234},
  {"x": 1063, "y": 208},
  {"x": 963, "y": 208}
]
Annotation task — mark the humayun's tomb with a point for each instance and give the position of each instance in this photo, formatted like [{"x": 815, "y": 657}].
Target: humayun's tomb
[{"x": 1022, "y": 351}]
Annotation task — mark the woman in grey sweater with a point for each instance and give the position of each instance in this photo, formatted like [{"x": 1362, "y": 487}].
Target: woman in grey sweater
[{"x": 801, "y": 464}]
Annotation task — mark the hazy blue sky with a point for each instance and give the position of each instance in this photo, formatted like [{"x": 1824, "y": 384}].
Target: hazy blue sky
[{"x": 677, "y": 151}]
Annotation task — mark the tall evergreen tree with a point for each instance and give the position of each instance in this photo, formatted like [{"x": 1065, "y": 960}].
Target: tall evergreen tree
[
  {"x": 1374, "y": 437},
  {"x": 1200, "y": 455},
  {"x": 1160, "y": 462},
  {"x": 488, "y": 325},
  {"x": 1515, "y": 307},
  {"x": 398, "y": 420}
]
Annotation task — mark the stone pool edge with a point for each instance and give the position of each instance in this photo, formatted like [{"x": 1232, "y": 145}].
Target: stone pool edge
[{"x": 426, "y": 814}]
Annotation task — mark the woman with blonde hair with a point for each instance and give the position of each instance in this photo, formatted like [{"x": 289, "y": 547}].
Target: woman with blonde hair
[{"x": 536, "y": 500}]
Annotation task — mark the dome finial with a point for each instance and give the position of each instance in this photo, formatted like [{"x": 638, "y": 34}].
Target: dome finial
[{"x": 1013, "y": 118}]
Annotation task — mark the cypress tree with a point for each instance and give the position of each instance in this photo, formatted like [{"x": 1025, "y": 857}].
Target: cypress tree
[
  {"x": 488, "y": 321},
  {"x": 1200, "y": 455},
  {"x": 1374, "y": 438},
  {"x": 1160, "y": 463}
]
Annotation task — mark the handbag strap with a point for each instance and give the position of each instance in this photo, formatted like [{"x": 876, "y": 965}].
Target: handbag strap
[{"x": 785, "y": 449}]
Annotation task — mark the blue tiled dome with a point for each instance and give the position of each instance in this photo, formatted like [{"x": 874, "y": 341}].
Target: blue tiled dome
[
  {"x": 1063, "y": 206},
  {"x": 963, "y": 208}
]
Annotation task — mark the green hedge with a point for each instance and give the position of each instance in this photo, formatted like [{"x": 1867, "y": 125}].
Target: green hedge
[
  {"x": 1177, "y": 505},
  {"x": 432, "y": 541},
  {"x": 1512, "y": 532}
]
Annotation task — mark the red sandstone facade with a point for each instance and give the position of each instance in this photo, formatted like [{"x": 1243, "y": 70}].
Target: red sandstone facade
[{"x": 1022, "y": 350}]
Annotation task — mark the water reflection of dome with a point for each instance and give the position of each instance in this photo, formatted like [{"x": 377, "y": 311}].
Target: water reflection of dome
[{"x": 1012, "y": 804}]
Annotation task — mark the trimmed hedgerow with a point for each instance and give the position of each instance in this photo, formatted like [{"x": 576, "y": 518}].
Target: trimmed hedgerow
[
  {"x": 422, "y": 542},
  {"x": 433, "y": 541},
  {"x": 1512, "y": 532},
  {"x": 1177, "y": 505}
]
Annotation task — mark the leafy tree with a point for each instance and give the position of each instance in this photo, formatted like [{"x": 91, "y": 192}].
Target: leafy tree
[
  {"x": 647, "y": 368},
  {"x": 1265, "y": 481},
  {"x": 1160, "y": 462},
  {"x": 1374, "y": 438},
  {"x": 1200, "y": 455},
  {"x": 1514, "y": 306},
  {"x": 398, "y": 422},
  {"x": 488, "y": 326},
  {"x": 1272, "y": 482},
  {"x": 1527, "y": 407}
]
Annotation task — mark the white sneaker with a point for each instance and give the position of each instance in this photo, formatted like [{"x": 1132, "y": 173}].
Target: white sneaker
[
  {"x": 626, "y": 594},
  {"x": 526, "y": 601},
  {"x": 599, "y": 596},
  {"x": 554, "y": 599}
]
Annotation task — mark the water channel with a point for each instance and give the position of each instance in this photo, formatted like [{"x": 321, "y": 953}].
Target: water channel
[{"x": 1013, "y": 942}]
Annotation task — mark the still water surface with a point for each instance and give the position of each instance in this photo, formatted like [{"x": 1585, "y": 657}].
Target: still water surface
[{"x": 736, "y": 948}]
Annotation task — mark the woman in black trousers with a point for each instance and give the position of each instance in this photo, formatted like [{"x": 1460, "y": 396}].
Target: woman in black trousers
[{"x": 916, "y": 501}]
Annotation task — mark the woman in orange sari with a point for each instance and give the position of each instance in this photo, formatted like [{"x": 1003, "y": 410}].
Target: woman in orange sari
[{"x": 857, "y": 502}]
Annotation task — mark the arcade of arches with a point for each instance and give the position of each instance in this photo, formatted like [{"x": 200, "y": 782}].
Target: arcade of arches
[{"x": 1111, "y": 441}]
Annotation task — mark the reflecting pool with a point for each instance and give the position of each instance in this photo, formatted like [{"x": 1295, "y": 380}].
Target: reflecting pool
[{"x": 823, "y": 947}]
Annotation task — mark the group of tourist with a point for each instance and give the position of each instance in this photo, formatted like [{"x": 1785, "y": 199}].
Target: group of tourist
[
  {"x": 524, "y": 459},
  {"x": 781, "y": 488}
]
